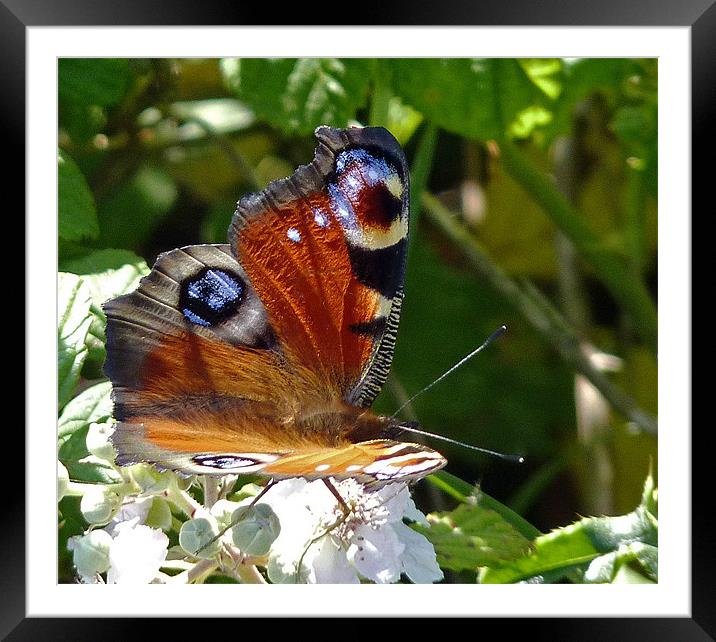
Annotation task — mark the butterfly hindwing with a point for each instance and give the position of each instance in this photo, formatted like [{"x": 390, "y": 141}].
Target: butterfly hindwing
[{"x": 193, "y": 360}]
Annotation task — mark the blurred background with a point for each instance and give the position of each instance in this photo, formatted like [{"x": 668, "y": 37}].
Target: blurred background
[{"x": 534, "y": 192}]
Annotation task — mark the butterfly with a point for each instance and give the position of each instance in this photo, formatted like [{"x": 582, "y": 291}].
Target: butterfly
[{"x": 264, "y": 355}]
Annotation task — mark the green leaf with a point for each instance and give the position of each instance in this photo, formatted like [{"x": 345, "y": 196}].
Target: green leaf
[
  {"x": 222, "y": 115},
  {"x": 71, "y": 523},
  {"x": 81, "y": 464},
  {"x": 606, "y": 568},
  {"x": 107, "y": 274},
  {"x": 74, "y": 320},
  {"x": 298, "y": 94},
  {"x": 462, "y": 491},
  {"x": 90, "y": 406},
  {"x": 93, "y": 470},
  {"x": 545, "y": 73},
  {"x": 590, "y": 550},
  {"x": 476, "y": 98},
  {"x": 582, "y": 78},
  {"x": 402, "y": 120},
  {"x": 76, "y": 210},
  {"x": 92, "y": 81},
  {"x": 471, "y": 536}
]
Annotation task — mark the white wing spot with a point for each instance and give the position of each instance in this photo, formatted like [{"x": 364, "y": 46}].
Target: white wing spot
[
  {"x": 293, "y": 234},
  {"x": 320, "y": 218},
  {"x": 322, "y": 467}
]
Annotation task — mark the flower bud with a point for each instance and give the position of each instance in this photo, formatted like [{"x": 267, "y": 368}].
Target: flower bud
[
  {"x": 195, "y": 537},
  {"x": 99, "y": 504},
  {"x": 90, "y": 553},
  {"x": 256, "y": 528}
]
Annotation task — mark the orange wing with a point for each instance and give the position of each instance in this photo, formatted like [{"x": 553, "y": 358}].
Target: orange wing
[
  {"x": 260, "y": 356},
  {"x": 325, "y": 250}
]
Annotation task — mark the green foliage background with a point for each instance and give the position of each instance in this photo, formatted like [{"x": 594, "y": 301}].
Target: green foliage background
[{"x": 534, "y": 186}]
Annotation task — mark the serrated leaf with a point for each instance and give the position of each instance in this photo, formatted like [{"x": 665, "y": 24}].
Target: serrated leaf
[
  {"x": 605, "y": 568},
  {"x": 77, "y": 216},
  {"x": 471, "y": 536},
  {"x": 90, "y": 406},
  {"x": 606, "y": 542},
  {"x": 74, "y": 320},
  {"x": 298, "y": 94},
  {"x": 108, "y": 273},
  {"x": 92, "y": 81},
  {"x": 475, "y": 98},
  {"x": 82, "y": 465}
]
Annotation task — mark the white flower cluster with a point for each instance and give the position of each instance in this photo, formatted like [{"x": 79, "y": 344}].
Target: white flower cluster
[
  {"x": 296, "y": 532},
  {"x": 323, "y": 545},
  {"x": 128, "y": 550}
]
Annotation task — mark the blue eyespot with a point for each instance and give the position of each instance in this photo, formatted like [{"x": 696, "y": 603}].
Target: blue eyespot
[{"x": 211, "y": 297}]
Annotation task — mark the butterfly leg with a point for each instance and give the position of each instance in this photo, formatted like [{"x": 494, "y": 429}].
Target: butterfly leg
[
  {"x": 265, "y": 490},
  {"x": 341, "y": 502},
  {"x": 345, "y": 509}
]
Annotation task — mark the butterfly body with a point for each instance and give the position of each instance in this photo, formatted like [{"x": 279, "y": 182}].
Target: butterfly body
[{"x": 263, "y": 355}]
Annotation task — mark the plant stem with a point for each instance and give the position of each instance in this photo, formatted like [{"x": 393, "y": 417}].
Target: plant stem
[
  {"x": 380, "y": 103},
  {"x": 181, "y": 499},
  {"x": 612, "y": 270},
  {"x": 537, "y": 311},
  {"x": 196, "y": 573},
  {"x": 420, "y": 169}
]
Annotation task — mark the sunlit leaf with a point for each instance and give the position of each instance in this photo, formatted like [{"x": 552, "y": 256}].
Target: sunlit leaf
[
  {"x": 92, "y": 405},
  {"x": 298, "y": 94},
  {"x": 107, "y": 273},
  {"x": 476, "y": 98},
  {"x": 74, "y": 320},
  {"x": 471, "y": 536},
  {"x": 590, "y": 550}
]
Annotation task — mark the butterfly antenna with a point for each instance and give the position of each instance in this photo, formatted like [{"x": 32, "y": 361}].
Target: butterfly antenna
[
  {"x": 518, "y": 459},
  {"x": 411, "y": 428},
  {"x": 495, "y": 335}
]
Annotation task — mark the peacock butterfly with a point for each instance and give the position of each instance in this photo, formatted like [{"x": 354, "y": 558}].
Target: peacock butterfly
[{"x": 264, "y": 355}]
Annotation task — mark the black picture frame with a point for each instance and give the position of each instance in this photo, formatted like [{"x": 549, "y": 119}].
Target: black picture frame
[{"x": 699, "y": 15}]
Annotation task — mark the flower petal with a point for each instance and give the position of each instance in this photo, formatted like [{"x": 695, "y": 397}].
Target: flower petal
[
  {"x": 136, "y": 555},
  {"x": 129, "y": 515},
  {"x": 414, "y": 514},
  {"x": 328, "y": 563},
  {"x": 418, "y": 559},
  {"x": 376, "y": 553}
]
